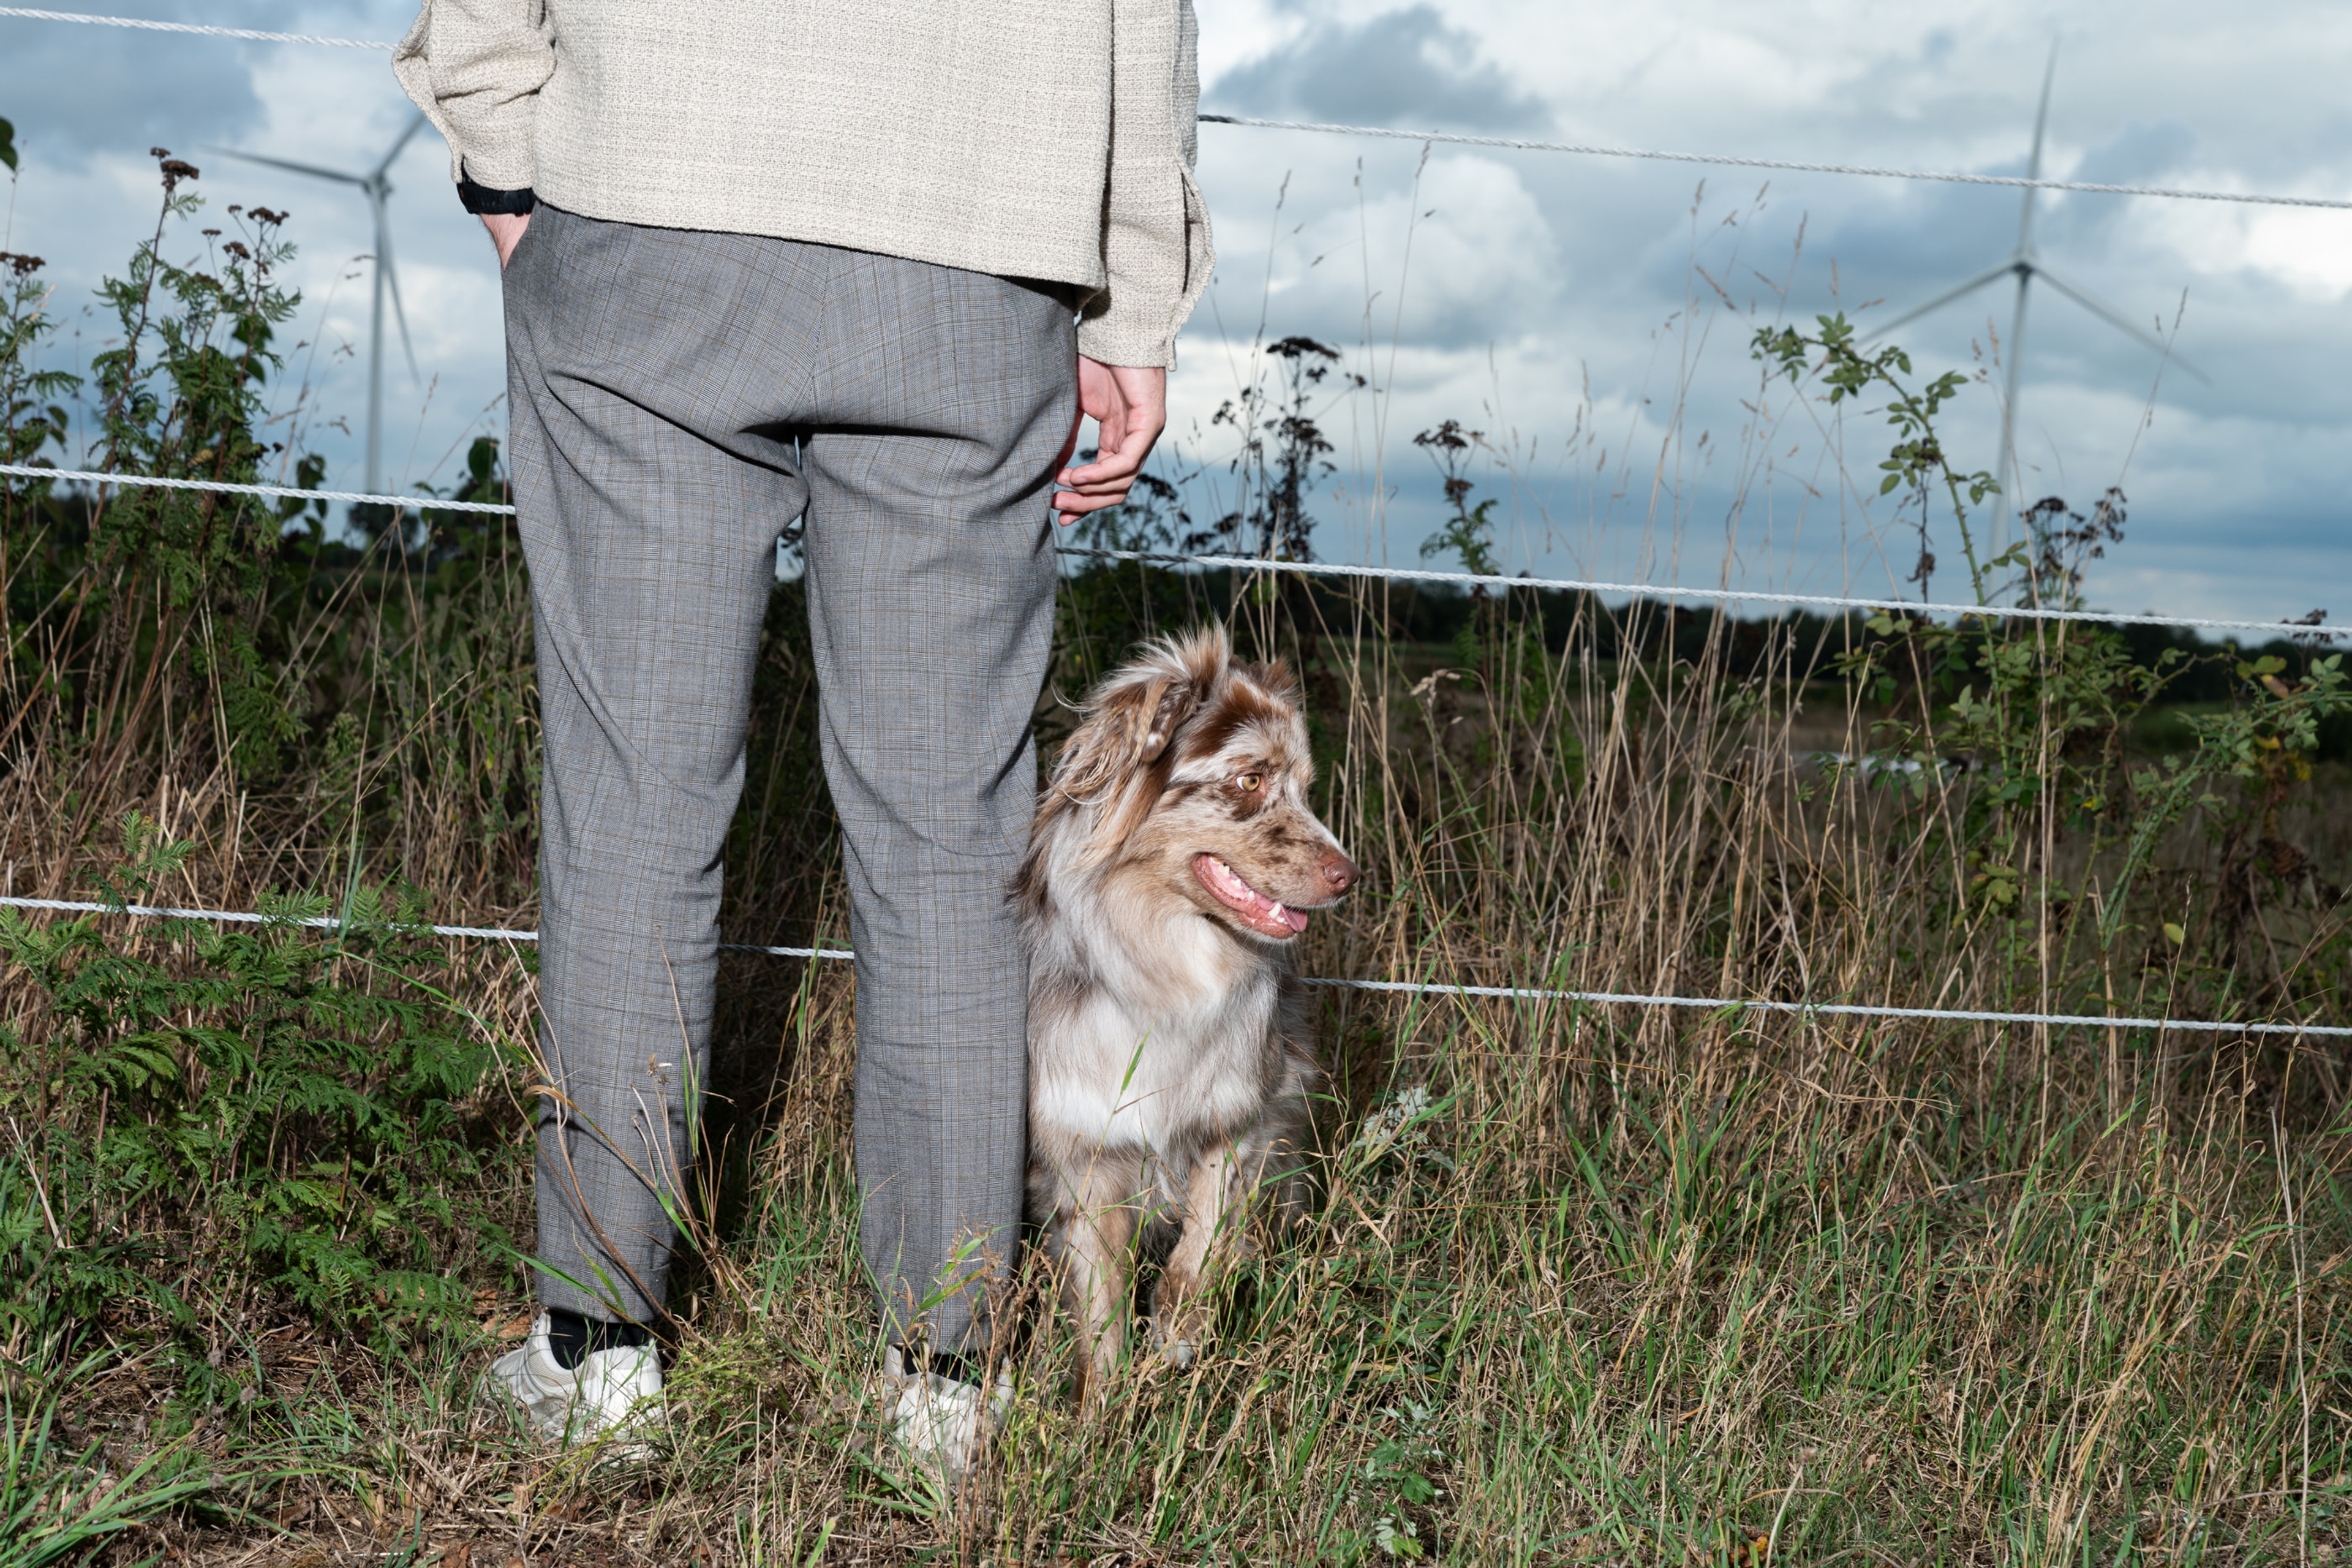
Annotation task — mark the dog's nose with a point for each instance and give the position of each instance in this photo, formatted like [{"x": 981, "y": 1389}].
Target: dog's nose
[{"x": 1339, "y": 872}]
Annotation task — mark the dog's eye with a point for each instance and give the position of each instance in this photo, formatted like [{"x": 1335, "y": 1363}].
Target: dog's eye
[{"x": 1248, "y": 782}]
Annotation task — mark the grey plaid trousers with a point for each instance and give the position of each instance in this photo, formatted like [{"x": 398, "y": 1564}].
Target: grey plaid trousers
[{"x": 676, "y": 399}]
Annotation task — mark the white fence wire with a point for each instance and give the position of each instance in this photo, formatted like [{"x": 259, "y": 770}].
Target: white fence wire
[
  {"x": 1727, "y": 1004},
  {"x": 1451, "y": 138},
  {"x": 1731, "y": 160},
  {"x": 274, "y": 492},
  {"x": 1323, "y": 568},
  {"x": 144, "y": 24}
]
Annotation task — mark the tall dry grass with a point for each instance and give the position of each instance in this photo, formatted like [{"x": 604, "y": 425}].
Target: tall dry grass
[{"x": 1587, "y": 1282}]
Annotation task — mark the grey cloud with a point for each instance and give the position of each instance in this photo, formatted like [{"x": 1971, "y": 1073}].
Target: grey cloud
[
  {"x": 1895, "y": 245},
  {"x": 1408, "y": 67},
  {"x": 1908, "y": 240},
  {"x": 77, "y": 91},
  {"x": 2254, "y": 338},
  {"x": 1936, "y": 48},
  {"x": 2143, "y": 151},
  {"x": 1482, "y": 265}
]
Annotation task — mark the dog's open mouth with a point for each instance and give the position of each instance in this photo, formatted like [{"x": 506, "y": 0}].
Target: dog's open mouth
[{"x": 1267, "y": 917}]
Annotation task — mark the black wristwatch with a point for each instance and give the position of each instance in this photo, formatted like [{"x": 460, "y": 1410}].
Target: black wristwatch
[{"x": 480, "y": 198}]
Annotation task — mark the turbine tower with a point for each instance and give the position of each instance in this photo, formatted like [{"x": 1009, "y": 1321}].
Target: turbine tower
[
  {"x": 2025, "y": 265},
  {"x": 377, "y": 187}
]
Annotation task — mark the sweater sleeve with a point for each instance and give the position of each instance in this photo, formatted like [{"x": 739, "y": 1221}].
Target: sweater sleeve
[
  {"x": 1157, "y": 252},
  {"x": 475, "y": 68}
]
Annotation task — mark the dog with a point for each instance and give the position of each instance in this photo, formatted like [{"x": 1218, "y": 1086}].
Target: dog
[{"x": 1172, "y": 864}]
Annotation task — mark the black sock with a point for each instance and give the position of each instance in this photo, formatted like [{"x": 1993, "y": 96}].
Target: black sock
[
  {"x": 573, "y": 1338},
  {"x": 946, "y": 1364}
]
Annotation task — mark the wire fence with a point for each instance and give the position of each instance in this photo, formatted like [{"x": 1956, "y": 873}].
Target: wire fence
[
  {"x": 1725, "y": 1004},
  {"x": 1450, "y": 137},
  {"x": 1324, "y": 568},
  {"x": 1732, "y": 160}
]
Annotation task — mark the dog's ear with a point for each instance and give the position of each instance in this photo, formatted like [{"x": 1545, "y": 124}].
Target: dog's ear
[
  {"x": 1140, "y": 718},
  {"x": 1172, "y": 702},
  {"x": 1128, "y": 728}
]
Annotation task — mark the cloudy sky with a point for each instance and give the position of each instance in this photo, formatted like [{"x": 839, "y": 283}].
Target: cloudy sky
[{"x": 1590, "y": 316}]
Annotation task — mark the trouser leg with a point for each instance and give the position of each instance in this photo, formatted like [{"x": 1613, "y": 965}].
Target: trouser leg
[
  {"x": 930, "y": 574},
  {"x": 652, "y": 560}
]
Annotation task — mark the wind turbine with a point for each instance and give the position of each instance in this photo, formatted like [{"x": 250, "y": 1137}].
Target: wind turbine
[
  {"x": 2025, "y": 265},
  {"x": 375, "y": 186}
]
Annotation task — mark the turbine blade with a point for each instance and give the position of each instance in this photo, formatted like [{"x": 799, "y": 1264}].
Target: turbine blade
[
  {"x": 2042, "y": 115},
  {"x": 2118, "y": 321},
  {"x": 392, "y": 282},
  {"x": 2033, "y": 162},
  {"x": 1990, "y": 275},
  {"x": 338, "y": 176},
  {"x": 415, "y": 123}
]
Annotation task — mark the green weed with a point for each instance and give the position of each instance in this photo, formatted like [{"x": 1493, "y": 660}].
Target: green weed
[
  {"x": 278, "y": 1110},
  {"x": 1588, "y": 1283}
]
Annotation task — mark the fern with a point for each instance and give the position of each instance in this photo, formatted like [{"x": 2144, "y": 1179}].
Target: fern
[{"x": 292, "y": 1104}]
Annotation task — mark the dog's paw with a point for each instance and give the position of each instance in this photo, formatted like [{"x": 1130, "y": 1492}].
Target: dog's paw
[{"x": 1176, "y": 1349}]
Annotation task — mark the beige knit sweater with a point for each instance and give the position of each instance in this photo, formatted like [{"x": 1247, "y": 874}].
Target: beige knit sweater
[{"x": 1045, "y": 139}]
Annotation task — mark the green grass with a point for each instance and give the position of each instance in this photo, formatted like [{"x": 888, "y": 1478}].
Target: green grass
[
  {"x": 1583, "y": 1285},
  {"x": 1847, "y": 1324}
]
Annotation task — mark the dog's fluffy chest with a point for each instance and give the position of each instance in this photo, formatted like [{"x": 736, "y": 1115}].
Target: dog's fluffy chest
[{"x": 1153, "y": 1077}]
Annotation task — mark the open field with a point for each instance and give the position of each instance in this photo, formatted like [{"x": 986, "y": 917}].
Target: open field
[{"x": 1584, "y": 1283}]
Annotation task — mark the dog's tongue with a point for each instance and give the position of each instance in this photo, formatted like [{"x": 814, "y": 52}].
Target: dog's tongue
[{"x": 1268, "y": 915}]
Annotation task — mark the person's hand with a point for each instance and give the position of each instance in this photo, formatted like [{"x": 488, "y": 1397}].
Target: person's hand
[
  {"x": 506, "y": 232},
  {"x": 1131, "y": 404}
]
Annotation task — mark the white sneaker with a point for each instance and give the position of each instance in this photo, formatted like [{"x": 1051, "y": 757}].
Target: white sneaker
[
  {"x": 939, "y": 1420},
  {"x": 608, "y": 1391}
]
